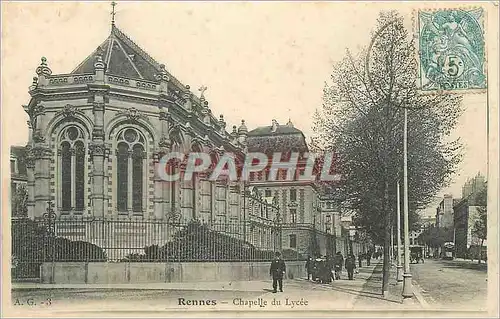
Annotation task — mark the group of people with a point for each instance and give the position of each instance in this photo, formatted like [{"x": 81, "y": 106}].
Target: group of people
[
  {"x": 323, "y": 270},
  {"x": 326, "y": 269}
]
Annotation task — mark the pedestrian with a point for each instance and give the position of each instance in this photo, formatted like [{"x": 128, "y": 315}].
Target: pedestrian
[
  {"x": 326, "y": 273},
  {"x": 368, "y": 257},
  {"x": 350, "y": 265},
  {"x": 338, "y": 262},
  {"x": 330, "y": 265},
  {"x": 360, "y": 259},
  {"x": 309, "y": 267},
  {"x": 277, "y": 270}
]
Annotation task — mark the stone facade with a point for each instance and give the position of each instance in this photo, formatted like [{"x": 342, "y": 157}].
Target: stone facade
[
  {"x": 18, "y": 181},
  {"x": 97, "y": 136},
  {"x": 444, "y": 212}
]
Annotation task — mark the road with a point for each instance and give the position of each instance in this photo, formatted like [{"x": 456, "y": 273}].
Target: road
[
  {"x": 454, "y": 284},
  {"x": 300, "y": 294}
]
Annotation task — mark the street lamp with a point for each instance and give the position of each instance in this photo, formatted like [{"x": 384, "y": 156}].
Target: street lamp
[
  {"x": 399, "y": 267},
  {"x": 407, "y": 284}
]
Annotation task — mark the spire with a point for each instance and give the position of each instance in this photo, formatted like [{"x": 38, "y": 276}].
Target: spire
[
  {"x": 289, "y": 122},
  {"x": 243, "y": 128},
  {"x": 113, "y": 13}
]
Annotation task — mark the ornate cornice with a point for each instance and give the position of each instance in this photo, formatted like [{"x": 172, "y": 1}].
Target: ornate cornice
[
  {"x": 69, "y": 111},
  {"x": 133, "y": 115},
  {"x": 39, "y": 152},
  {"x": 34, "y": 111},
  {"x": 98, "y": 149},
  {"x": 38, "y": 137}
]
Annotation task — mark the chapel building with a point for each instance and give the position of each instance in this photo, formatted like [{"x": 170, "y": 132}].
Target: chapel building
[{"x": 97, "y": 135}]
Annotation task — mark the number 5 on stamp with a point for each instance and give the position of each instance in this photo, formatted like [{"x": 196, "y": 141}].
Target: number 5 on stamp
[{"x": 451, "y": 49}]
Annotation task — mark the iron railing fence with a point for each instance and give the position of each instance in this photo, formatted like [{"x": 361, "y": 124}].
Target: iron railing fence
[{"x": 90, "y": 239}]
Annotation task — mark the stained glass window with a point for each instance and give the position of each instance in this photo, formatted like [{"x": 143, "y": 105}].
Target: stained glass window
[
  {"x": 122, "y": 177},
  {"x": 130, "y": 171},
  {"x": 72, "y": 163},
  {"x": 66, "y": 176},
  {"x": 79, "y": 176}
]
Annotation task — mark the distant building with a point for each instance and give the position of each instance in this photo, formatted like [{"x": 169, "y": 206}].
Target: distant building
[
  {"x": 444, "y": 212},
  {"x": 426, "y": 222},
  {"x": 465, "y": 216},
  {"x": 19, "y": 178}
]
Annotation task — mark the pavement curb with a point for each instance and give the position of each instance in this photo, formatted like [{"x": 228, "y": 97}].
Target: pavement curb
[
  {"x": 212, "y": 286},
  {"x": 417, "y": 292}
]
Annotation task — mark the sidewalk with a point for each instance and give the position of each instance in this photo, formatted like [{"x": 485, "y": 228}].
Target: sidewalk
[
  {"x": 206, "y": 285},
  {"x": 370, "y": 296},
  {"x": 362, "y": 293}
]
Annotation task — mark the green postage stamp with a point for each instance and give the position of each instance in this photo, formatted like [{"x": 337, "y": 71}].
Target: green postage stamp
[{"x": 451, "y": 49}]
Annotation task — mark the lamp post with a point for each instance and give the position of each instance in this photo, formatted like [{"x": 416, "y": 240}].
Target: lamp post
[
  {"x": 399, "y": 267},
  {"x": 407, "y": 284},
  {"x": 391, "y": 250}
]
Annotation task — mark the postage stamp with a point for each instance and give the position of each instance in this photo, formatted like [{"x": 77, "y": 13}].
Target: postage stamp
[{"x": 452, "y": 49}]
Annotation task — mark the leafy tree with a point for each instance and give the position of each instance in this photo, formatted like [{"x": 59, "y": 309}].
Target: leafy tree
[
  {"x": 19, "y": 202},
  {"x": 435, "y": 237},
  {"x": 362, "y": 121},
  {"x": 480, "y": 225}
]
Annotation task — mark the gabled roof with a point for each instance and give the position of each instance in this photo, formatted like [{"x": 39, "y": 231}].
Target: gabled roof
[
  {"x": 268, "y": 130},
  {"x": 122, "y": 57},
  {"x": 276, "y": 138}
]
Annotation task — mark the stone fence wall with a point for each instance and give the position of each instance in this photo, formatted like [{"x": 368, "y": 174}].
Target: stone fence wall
[{"x": 136, "y": 272}]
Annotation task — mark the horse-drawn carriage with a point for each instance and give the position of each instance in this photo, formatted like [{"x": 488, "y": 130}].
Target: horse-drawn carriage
[{"x": 416, "y": 254}]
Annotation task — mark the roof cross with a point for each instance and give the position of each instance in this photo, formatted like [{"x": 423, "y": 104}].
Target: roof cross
[
  {"x": 202, "y": 89},
  {"x": 113, "y": 13}
]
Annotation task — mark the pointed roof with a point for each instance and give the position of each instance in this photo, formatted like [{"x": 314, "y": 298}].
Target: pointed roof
[{"x": 123, "y": 57}]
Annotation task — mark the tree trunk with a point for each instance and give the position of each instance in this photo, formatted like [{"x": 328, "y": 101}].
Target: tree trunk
[
  {"x": 480, "y": 252},
  {"x": 387, "y": 240}
]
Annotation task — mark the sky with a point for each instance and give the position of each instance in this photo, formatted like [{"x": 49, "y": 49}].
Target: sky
[{"x": 260, "y": 61}]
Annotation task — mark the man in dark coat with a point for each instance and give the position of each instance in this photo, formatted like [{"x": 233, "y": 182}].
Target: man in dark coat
[
  {"x": 309, "y": 267},
  {"x": 339, "y": 261},
  {"x": 277, "y": 271},
  {"x": 330, "y": 264},
  {"x": 350, "y": 265}
]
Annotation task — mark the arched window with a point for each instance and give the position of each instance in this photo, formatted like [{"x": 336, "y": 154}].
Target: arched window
[
  {"x": 130, "y": 171},
  {"x": 72, "y": 169}
]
